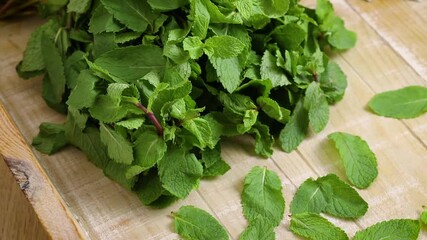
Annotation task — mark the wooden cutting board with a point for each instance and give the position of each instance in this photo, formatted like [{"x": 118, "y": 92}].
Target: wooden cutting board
[{"x": 66, "y": 197}]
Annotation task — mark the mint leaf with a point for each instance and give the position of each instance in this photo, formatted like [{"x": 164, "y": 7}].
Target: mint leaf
[
  {"x": 259, "y": 229},
  {"x": 78, "y": 6},
  {"x": 274, "y": 9},
  {"x": 195, "y": 223},
  {"x": 121, "y": 62},
  {"x": 330, "y": 195},
  {"x": 194, "y": 46},
  {"x": 200, "y": 128},
  {"x": 262, "y": 196},
  {"x": 228, "y": 71},
  {"x": 333, "y": 82},
  {"x": 167, "y": 5},
  {"x": 315, "y": 227},
  {"x": 223, "y": 46},
  {"x": 423, "y": 217},
  {"x": 118, "y": 173},
  {"x": 408, "y": 102},
  {"x": 269, "y": 70},
  {"x": 136, "y": 15},
  {"x": 264, "y": 141},
  {"x": 103, "y": 21},
  {"x": 200, "y": 18},
  {"x": 132, "y": 123},
  {"x": 179, "y": 171},
  {"x": 149, "y": 148},
  {"x": 296, "y": 129},
  {"x": 397, "y": 229},
  {"x": 318, "y": 109},
  {"x": 51, "y": 138},
  {"x": 273, "y": 109},
  {"x": 359, "y": 161},
  {"x": 119, "y": 149},
  {"x": 84, "y": 94},
  {"x": 149, "y": 188}
]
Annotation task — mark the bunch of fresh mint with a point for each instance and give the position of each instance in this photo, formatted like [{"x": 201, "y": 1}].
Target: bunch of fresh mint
[{"x": 150, "y": 87}]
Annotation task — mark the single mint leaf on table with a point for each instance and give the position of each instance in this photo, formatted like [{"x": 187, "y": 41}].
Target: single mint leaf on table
[
  {"x": 262, "y": 196},
  {"x": 407, "y": 102},
  {"x": 314, "y": 227},
  {"x": 51, "y": 138},
  {"x": 195, "y": 223},
  {"x": 397, "y": 229},
  {"x": 360, "y": 163}
]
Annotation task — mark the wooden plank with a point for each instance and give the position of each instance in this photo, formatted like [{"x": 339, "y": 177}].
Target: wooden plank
[
  {"x": 401, "y": 28},
  {"x": 51, "y": 210},
  {"x": 420, "y": 8}
]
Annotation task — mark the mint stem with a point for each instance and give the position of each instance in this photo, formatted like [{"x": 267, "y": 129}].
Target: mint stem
[{"x": 152, "y": 118}]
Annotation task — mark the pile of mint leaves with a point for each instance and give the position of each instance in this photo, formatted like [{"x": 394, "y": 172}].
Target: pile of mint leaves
[{"x": 150, "y": 87}]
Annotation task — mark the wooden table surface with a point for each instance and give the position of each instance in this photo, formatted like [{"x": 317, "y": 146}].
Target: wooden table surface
[{"x": 391, "y": 53}]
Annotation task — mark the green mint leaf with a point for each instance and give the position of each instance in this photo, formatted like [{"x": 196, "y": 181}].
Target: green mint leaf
[
  {"x": 102, "y": 43},
  {"x": 423, "y": 217},
  {"x": 124, "y": 37},
  {"x": 333, "y": 82},
  {"x": 135, "y": 14},
  {"x": 397, "y": 229},
  {"x": 314, "y": 227},
  {"x": 360, "y": 163},
  {"x": 200, "y": 128},
  {"x": 228, "y": 71},
  {"x": 269, "y": 70},
  {"x": 54, "y": 66},
  {"x": 132, "y": 123},
  {"x": 200, "y": 18},
  {"x": 149, "y": 188},
  {"x": 118, "y": 173},
  {"x": 408, "y": 102},
  {"x": 273, "y": 109},
  {"x": 295, "y": 130},
  {"x": 330, "y": 195},
  {"x": 179, "y": 171},
  {"x": 121, "y": 62},
  {"x": 51, "y": 138},
  {"x": 310, "y": 197},
  {"x": 73, "y": 65},
  {"x": 289, "y": 36},
  {"x": 78, "y": 6},
  {"x": 343, "y": 39},
  {"x": 103, "y": 21},
  {"x": 119, "y": 148},
  {"x": 194, "y": 46},
  {"x": 249, "y": 119},
  {"x": 223, "y": 47},
  {"x": 264, "y": 141},
  {"x": 259, "y": 229},
  {"x": 84, "y": 94},
  {"x": 262, "y": 196},
  {"x": 213, "y": 163},
  {"x": 176, "y": 54},
  {"x": 167, "y": 5},
  {"x": 274, "y": 9},
  {"x": 317, "y": 105},
  {"x": 149, "y": 148},
  {"x": 195, "y": 223}
]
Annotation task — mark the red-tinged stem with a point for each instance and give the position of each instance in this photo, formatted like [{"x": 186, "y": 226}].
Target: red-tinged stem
[
  {"x": 152, "y": 118},
  {"x": 315, "y": 77}
]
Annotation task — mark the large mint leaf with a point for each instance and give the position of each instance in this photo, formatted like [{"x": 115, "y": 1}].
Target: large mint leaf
[
  {"x": 195, "y": 223},
  {"x": 259, "y": 229},
  {"x": 397, "y": 229},
  {"x": 119, "y": 148},
  {"x": 149, "y": 148},
  {"x": 228, "y": 71},
  {"x": 295, "y": 130},
  {"x": 84, "y": 94},
  {"x": 360, "y": 163},
  {"x": 314, "y": 227},
  {"x": 317, "y": 105},
  {"x": 269, "y": 70}
]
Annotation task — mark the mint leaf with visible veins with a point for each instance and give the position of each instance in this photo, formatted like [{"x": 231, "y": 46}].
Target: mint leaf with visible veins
[
  {"x": 314, "y": 227},
  {"x": 397, "y": 229}
]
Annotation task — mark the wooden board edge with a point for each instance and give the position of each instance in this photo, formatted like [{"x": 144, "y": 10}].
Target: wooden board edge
[{"x": 47, "y": 203}]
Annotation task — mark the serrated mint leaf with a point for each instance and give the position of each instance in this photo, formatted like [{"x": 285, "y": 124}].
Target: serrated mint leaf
[
  {"x": 103, "y": 21},
  {"x": 397, "y": 229},
  {"x": 84, "y": 94},
  {"x": 118, "y": 173},
  {"x": 108, "y": 110},
  {"x": 360, "y": 163},
  {"x": 195, "y": 223},
  {"x": 51, "y": 138},
  {"x": 407, "y": 102},
  {"x": 179, "y": 171},
  {"x": 295, "y": 130},
  {"x": 54, "y": 67},
  {"x": 317, "y": 105},
  {"x": 200, "y": 18},
  {"x": 78, "y": 6},
  {"x": 259, "y": 229},
  {"x": 167, "y": 5},
  {"x": 314, "y": 227},
  {"x": 213, "y": 163},
  {"x": 274, "y": 9},
  {"x": 249, "y": 119},
  {"x": 344, "y": 202},
  {"x": 262, "y": 196},
  {"x": 132, "y": 63},
  {"x": 149, "y": 148},
  {"x": 200, "y": 128},
  {"x": 330, "y": 195},
  {"x": 124, "y": 37},
  {"x": 269, "y": 70},
  {"x": 228, "y": 71},
  {"x": 119, "y": 148},
  {"x": 333, "y": 82},
  {"x": 223, "y": 47},
  {"x": 194, "y": 46},
  {"x": 132, "y": 123},
  {"x": 264, "y": 141},
  {"x": 310, "y": 198},
  {"x": 273, "y": 109},
  {"x": 135, "y": 14},
  {"x": 289, "y": 36}
]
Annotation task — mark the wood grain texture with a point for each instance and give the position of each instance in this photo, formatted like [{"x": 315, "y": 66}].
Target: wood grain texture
[{"x": 382, "y": 60}]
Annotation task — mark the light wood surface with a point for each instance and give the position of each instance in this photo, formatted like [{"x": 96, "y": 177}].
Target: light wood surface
[{"x": 391, "y": 53}]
